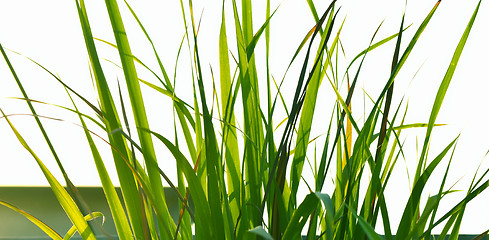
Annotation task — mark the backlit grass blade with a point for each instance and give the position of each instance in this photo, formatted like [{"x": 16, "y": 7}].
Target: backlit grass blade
[
  {"x": 413, "y": 202},
  {"x": 112, "y": 122},
  {"x": 45, "y": 228},
  {"x": 88, "y": 217},
  {"x": 69, "y": 206},
  {"x": 120, "y": 219},
  {"x": 440, "y": 95},
  {"x": 202, "y": 209},
  {"x": 230, "y": 140},
  {"x": 300, "y": 216},
  {"x": 308, "y": 109},
  {"x": 139, "y": 111},
  {"x": 215, "y": 184},
  {"x": 70, "y": 187}
]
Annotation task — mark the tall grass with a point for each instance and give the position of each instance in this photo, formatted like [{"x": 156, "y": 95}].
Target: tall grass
[{"x": 244, "y": 174}]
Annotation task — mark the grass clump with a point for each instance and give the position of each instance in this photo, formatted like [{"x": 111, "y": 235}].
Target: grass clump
[{"x": 244, "y": 173}]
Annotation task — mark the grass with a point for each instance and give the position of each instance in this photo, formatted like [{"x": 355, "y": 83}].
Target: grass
[{"x": 244, "y": 173}]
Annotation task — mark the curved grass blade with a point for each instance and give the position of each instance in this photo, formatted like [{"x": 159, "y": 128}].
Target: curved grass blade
[
  {"x": 139, "y": 111},
  {"x": 70, "y": 187},
  {"x": 45, "y": 228},
  {"x": 440, "y": 95},
  {"x": 118, "y": 145},
  {"x": 68, "y": 204},
  {"x": 120, "y": 219},
  {"x": 88, "y": 217}
]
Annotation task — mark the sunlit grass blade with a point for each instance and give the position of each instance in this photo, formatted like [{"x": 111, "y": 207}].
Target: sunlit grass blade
[
  {"x": 70, "y": 187},
  {"x": 61, "y": 194},
  {"x": 202, "y": 208},
  {"x": 442, "y": 90},
  {"x": 167, "y": 227},
  {"x": 120, "y": 149},
  {"x": 230, "y": 140},
  {"x": 45, "y": 228},
  {"x": 413, "y": 202},
  {"x": 309, "y": 105},
  {"x": 120, "y": 219},
  {"x": 88, "y": 217}
]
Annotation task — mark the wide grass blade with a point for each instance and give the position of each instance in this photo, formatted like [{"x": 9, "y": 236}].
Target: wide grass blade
[{"x": 112, "y": 122}]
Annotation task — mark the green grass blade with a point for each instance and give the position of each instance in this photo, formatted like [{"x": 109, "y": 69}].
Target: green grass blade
[
  {"x": 70, "y": 187},
  {"x": 229, "y": 133},
  {"x": 261, "y": 232},
  {"x": 139, "y": 111},
  {"x": 68, "y": 204},
  {"x": 300, "y": 216},
  {"x": 413, "y": 202},
  {"x": 202, "y": 208},
  {"x": 120, "y": 219},
  {"x": 88, "y": 217},
  {"x": 112, "y": 122},
  {"x": 440, "y": 95},
  {"x": 45, "y": 228}
]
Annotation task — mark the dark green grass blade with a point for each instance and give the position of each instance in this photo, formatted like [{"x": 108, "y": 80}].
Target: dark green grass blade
[
  {"x": 306, "y": 118},
  {"x": 300, "y": 216}
]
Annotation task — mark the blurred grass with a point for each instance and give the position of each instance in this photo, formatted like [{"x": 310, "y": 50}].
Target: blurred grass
[{"x": 237, "y": 174}]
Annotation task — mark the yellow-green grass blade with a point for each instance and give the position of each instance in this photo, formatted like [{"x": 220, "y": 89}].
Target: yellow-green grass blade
[
  {"x": 88, "y": 217},
  {"x": 203, "y": 230},
  {"x": 45, "y": 228},
  {"x": 120, "y": 219},
  {"x": 65, "y": 200},
  {"x": 440, "y": 95},
  {"x": 230, "y": 140},
  {"x": 71, "y": 188},
  {"x": 167, "y": 82},
  {"x": 99, "y": 124},
  {"x": 112, "y": 122},
  {"x": 215, "y": 178},
  {"x": 169, "y": 91},
  {"x": 253, "y": 126},
  {"x": 139, "y": 111},
  {"x": 415, "y": 197},
  {"x": 308, "y": 109}
]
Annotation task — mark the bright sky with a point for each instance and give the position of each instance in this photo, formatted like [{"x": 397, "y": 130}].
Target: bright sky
[{"x": 49, "y": 32}]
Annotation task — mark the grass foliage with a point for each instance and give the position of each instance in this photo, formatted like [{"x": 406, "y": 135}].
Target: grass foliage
[{"x": 244, "y": 174}]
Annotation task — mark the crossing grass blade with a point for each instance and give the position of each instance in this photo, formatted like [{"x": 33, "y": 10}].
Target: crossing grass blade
[
  {"x": 61, "y": 194},
  {"x": 239, "y": 178}
]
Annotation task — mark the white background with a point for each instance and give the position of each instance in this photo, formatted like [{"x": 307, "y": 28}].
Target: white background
[{"x": 49, "y": 32}]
